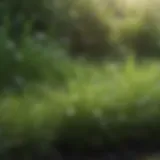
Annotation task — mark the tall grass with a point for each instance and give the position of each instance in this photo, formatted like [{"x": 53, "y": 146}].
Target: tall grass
[{"x": 117, "y": 102}]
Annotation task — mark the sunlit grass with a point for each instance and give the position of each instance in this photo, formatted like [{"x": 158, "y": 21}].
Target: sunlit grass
[{"x": 125, "y": 94}]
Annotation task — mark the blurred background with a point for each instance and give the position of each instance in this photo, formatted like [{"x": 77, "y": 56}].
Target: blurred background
[{"x": 79, "y": 77}]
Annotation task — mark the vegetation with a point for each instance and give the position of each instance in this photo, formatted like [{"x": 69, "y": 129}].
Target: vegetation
[
  {"x": 49, "y": 98},
  {"x": 119, "y": 25}
]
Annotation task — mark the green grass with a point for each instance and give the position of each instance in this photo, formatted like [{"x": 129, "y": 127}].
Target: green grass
[
  {"x": 111, "y": 101},
  {"x": 66, "y": 100}
]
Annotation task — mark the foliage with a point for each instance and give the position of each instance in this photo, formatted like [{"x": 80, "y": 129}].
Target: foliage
[{"x": 113, "y": 102}]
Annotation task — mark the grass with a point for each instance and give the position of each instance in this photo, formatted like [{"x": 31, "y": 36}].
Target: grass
[
  {"x": 66, "y": 100},
  {"x": 113, "y": 100}
]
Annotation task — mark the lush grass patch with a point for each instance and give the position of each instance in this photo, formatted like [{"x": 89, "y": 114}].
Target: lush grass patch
[{"x": 107, "y": 104}]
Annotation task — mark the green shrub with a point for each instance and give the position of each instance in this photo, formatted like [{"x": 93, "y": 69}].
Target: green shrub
[
  {"x": 116, "y": 28},
  {"x": 90, "y": 28},
  {"x": 31, "y": 61},
  {"x": 20, "y": 11},
  {"x": 139, "y": 30},
  {"x": 142, "y": 37},
  {"x": 62, "y": 20}
]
